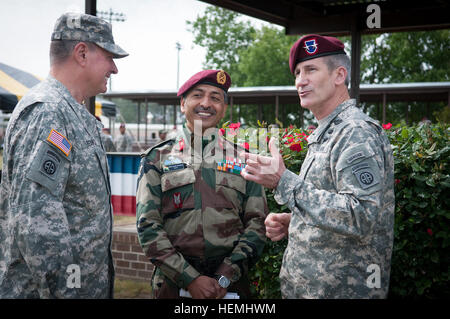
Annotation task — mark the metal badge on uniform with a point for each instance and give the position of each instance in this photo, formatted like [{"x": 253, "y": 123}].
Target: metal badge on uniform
[
  {"x": 221, "y": 77},
  {"x": 231, "y": 165},
  {"x": 173, "y": 163},
  {"x": 60, "y": 141},
  {"x": 177, "y": 201}
]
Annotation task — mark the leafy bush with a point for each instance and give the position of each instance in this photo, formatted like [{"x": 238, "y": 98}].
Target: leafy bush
[{"x": 420, "y": 259}]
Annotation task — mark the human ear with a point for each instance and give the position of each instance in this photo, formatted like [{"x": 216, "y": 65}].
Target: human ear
[
  {"x": 80, "y": 53},
  {"x": 182, "y": 105},
  {"x": 341, "y": 75}
]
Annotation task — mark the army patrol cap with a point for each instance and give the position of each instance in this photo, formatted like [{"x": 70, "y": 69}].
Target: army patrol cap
[
  {"x": 217, "y": 78},
  {"x": 88, "y": 28},
  {"x": 313, "y": 46}
]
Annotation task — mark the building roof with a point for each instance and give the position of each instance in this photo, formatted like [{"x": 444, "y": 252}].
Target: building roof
[
  {"x": 417, "y": 91},
  {"x": 336, "y": 17}
]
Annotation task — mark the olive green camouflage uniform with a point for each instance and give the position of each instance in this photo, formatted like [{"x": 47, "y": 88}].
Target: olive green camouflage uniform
[
  {"x": 196, "y": 219},
  {"x": 341, "y": 229},
  {"x": 55, "y": 208}
]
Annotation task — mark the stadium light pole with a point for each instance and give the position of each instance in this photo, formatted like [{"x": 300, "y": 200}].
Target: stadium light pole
[{"x": 111, "y": 16}]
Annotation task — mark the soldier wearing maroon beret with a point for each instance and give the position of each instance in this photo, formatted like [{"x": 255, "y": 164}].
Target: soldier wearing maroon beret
[
  {"x": 340, "y": 227},
  {"x": 199, "y": 221}
]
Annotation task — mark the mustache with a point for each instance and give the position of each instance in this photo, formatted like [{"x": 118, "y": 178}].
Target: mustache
[{"x": 206, "y": 110}]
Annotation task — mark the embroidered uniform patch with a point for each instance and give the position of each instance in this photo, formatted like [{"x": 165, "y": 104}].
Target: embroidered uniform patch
[
  {"x": 355, "y": 156},
  {"x": 60, "y": 141},
  {"x": 50, "y": 163},
  {"x": 177, "y": 201},
  {"x": 365, "y": 176}
]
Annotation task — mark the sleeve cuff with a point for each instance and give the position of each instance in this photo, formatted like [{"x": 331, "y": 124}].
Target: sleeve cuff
[
  {"x": 285, "y": 189},
  {"x": 188, "y": 276}
]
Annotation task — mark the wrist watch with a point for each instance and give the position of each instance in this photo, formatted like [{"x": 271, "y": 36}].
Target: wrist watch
[{"x": 224, "y": 282}]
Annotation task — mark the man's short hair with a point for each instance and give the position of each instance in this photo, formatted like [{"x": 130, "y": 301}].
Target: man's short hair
[
  {"x": 61, "y": 50},
  {"x": 336, "y": 60}
]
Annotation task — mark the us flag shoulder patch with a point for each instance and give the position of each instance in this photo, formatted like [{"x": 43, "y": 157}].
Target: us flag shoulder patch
[{"x": 60, "y": 141}]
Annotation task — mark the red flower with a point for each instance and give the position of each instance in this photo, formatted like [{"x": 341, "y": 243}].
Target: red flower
[
  {"x": 430, "y": 232},
  {"x": 397, "y": 181},
  {"x": 181, "y": 143},
  {"x": 297, "y": 147},
  {"x": 222, "y": 132},
  {"x": 245, "y": 145},
  {"x": 234, "y": 125},
  {"x": 255, "y": 283},
  {"x": 387, "y": 126},
  {"x": 289, "y": 137}
]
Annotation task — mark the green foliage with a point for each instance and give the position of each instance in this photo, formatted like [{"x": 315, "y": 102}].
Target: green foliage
[
  {"x": 405, "y": 57},
  {"x": 224, "y": 36},
  {"x": 421, "y": 255},
  {"x": 266, "y": 61}
]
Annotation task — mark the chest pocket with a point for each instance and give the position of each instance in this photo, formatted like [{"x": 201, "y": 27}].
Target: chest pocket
[
  {"x": 230, "y": 190},
  {"x": 178, "y": 190}
]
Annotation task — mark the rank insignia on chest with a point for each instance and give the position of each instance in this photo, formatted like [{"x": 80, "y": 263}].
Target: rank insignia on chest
[
  {"x": 230, "y": 165},
  {"x": 177, "y": 201}
]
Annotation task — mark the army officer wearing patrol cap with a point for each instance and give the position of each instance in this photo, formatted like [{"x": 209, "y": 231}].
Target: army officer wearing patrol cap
[
  {"x": 56, "y": 217},
  {"x": 199, "y": 222},
  {"x": 340, "y": 227}
]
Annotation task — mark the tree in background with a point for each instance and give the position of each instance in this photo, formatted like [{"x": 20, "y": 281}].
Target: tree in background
[
  {"x": 406, "y": 57},
  {"x": 224, "y": 36},
  {"x": 253, "y": 57},
  {"x": 259, "y": 57}
]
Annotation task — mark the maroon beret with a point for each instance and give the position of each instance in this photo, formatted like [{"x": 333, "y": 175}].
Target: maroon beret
[
  {"x": 218, "y": 78},
  {"x": 314, "y": 46}
]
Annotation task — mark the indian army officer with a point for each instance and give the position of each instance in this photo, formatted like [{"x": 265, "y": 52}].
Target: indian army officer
[
  {"x": 340, "y": 227},
  {"x": 56, "y": 216},
  {"x": 199, "y": 222}
]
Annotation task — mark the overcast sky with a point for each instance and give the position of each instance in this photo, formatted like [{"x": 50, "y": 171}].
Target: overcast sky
[{"x": 149, "y": 34}]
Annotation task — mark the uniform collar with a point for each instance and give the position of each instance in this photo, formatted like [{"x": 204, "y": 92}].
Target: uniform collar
[
  {"x": 187, "y": 137},
  {"x": 80, "y": 110},
  {"x": 326, "y": 122}
]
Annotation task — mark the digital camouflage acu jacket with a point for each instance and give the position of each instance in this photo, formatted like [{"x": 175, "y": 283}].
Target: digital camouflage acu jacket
[
  {"x": 188, "y": 206},
  {"x": 342, "y": 204},
  {"x": 55, "y": 216}
]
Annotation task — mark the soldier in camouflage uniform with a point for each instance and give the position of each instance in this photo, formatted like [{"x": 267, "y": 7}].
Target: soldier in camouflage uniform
[
  {"x": 340, "y": 227},
  {"x": 124, "y": 142},
  {"x": 56, "y": 216},
  {"x": 199, "y": 222}
]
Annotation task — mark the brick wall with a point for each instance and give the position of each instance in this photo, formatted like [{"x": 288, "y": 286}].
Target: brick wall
[{"x": 129, "y": 259}]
